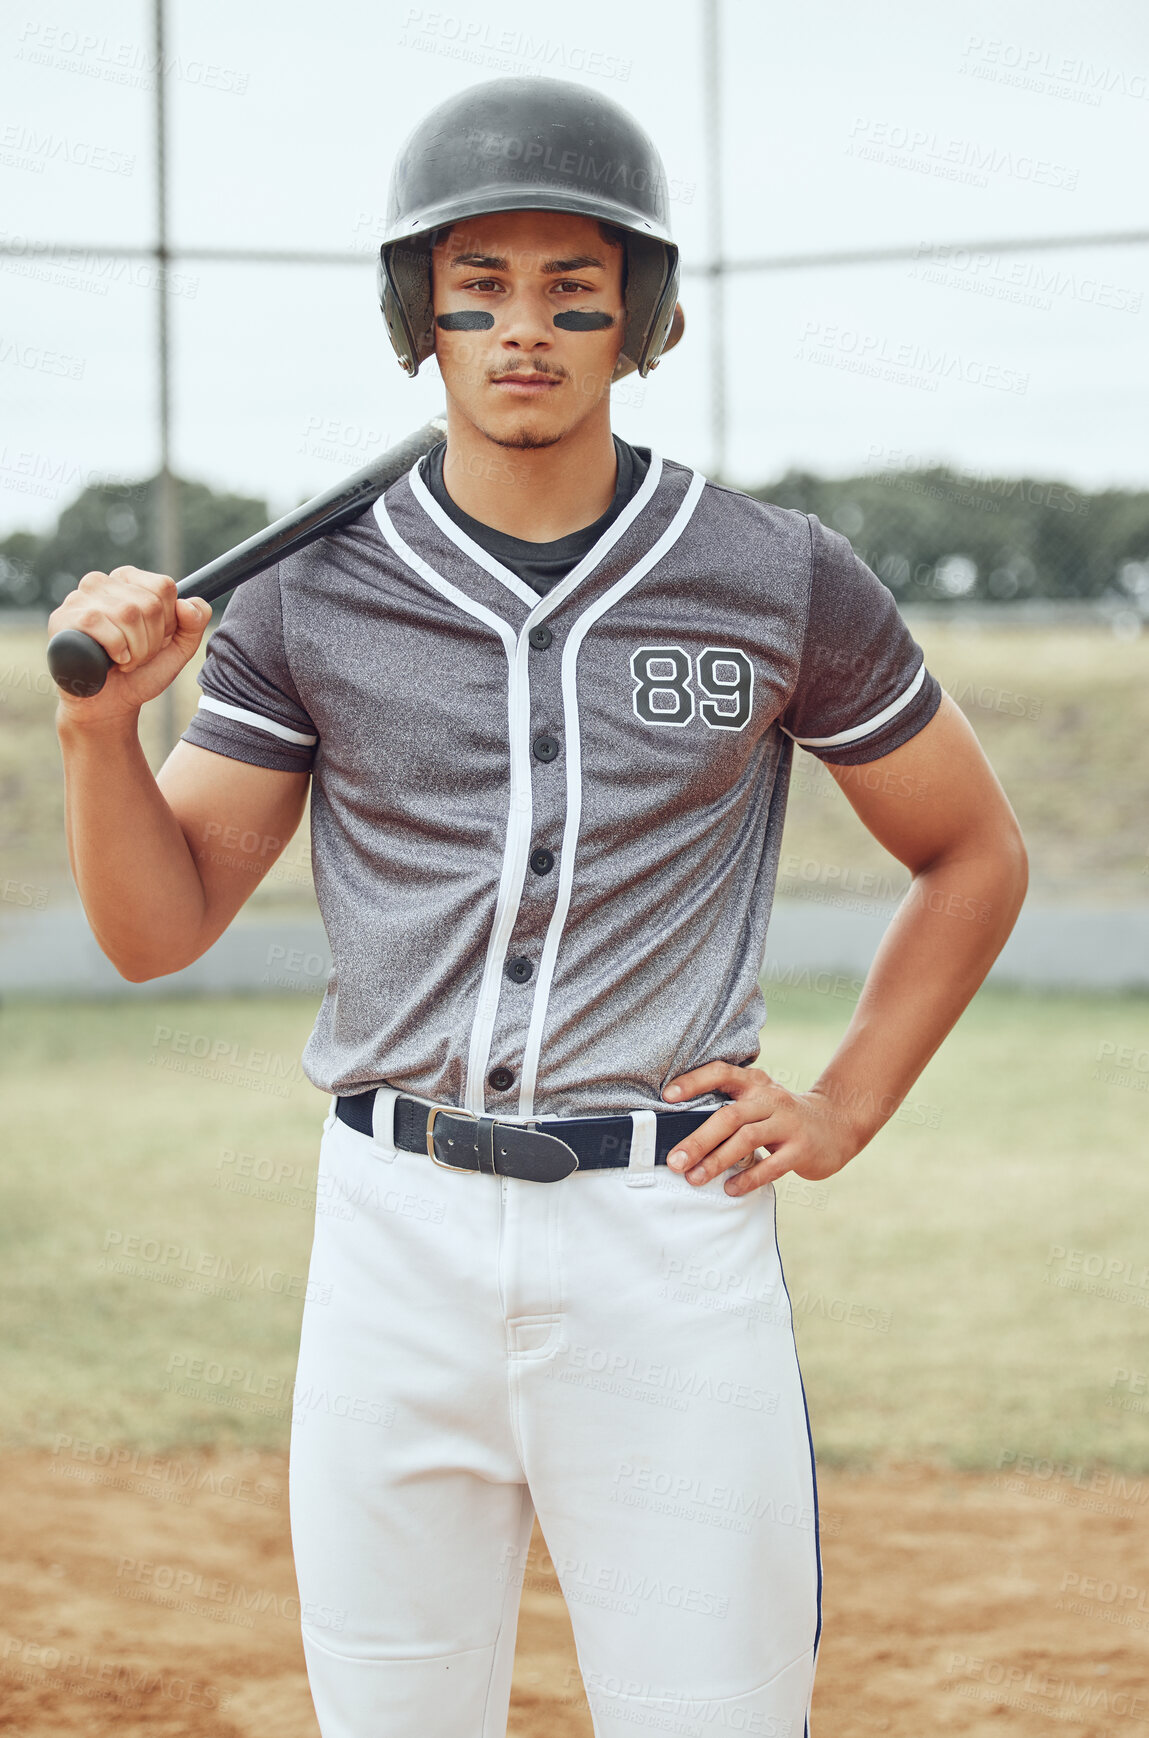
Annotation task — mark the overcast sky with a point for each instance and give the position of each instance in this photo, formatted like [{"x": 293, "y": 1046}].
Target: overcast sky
[{"x": 846, "y": 125}]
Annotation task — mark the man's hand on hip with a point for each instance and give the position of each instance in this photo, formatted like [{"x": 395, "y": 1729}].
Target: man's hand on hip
[{"x": 788, "y": 1131}]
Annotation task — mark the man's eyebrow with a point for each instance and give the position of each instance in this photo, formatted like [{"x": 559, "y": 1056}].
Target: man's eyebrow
[
  {"x": 578, "y": 264},
  {"x": 496, "y": 263}
]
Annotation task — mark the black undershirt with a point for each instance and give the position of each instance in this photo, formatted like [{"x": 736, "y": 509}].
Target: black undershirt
[{"x": 541, "y": 565}]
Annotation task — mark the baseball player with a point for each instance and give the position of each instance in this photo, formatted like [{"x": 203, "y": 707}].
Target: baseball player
[{"x": 545, "y": 695}]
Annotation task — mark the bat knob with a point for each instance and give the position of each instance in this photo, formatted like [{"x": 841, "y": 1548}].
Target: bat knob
[{"x": 78, "y": 663}]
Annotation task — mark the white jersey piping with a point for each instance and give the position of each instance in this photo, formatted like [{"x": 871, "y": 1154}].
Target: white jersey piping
[
  {"x": 243, "y": 716},
  {"x": 857, "y": 731}
]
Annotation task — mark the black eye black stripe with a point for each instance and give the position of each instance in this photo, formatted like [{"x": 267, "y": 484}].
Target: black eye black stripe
[
  {"x": 469, "y": 320},
  {"x": 475, "y": 320}
]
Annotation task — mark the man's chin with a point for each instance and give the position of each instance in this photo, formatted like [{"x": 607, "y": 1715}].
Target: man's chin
[
  {"x": 525, "y": 439},
  {"x": 524, "y": 433}
]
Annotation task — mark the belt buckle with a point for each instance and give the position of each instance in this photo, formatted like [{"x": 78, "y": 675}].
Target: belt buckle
[{"x": 431, "y": 1153}]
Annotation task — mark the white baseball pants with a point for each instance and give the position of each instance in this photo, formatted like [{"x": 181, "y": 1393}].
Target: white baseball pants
[{"x": 615, "y": 1352}]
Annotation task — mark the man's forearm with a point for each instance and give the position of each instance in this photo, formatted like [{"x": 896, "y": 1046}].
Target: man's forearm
[
  {"x": 963, "y": 846},
  {"x": 943, "y": 939},
  {"x": 130, "y": 861}
]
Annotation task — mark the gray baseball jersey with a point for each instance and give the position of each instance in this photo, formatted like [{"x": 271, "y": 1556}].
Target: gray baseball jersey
[{"x": 545, "y": 830}]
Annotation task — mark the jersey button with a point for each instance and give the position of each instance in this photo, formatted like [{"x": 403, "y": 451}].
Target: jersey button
[
  {"x": 519, "y": 970},
  {"x": 540, "y": 637},
  {"x": 546, "y": 747},
  {"x": 542, "y": 861},
  {"x": 501, "y": 1079}
]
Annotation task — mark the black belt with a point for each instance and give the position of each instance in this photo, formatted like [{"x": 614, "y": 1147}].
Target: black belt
[{"x": 541, "y": 1154}]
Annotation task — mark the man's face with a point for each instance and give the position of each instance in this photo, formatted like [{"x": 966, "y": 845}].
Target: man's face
[{"x": 498, "y": 284}]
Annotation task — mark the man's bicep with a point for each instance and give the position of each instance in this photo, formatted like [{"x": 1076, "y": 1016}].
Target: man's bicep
[
  {"x": 935, "y": 794},
  {"x": 237, "y": 819}
]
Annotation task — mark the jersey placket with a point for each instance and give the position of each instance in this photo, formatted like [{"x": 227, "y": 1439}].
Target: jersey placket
[
  {"x": 541, "y": 707},
  {"x": 540, "y": 649},
  {"x": 554, "y": 632}
]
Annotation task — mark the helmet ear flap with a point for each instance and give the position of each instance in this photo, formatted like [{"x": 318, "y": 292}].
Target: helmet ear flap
[
  {"x": 651, "y": 294},
  {"x": 404, "y": 278},
  {"x": 660, "y": 324}
]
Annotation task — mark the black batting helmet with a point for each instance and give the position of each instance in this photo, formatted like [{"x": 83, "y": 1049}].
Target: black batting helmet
[{"x": 538, "y": 144}]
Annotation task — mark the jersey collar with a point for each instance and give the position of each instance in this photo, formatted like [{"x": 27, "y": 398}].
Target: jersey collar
[{"x": 594, "y": 556}]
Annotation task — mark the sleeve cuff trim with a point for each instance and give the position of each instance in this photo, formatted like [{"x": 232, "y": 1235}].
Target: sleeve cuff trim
[
  {"x": 226, "y": 710},
  {"x": 858, "y": 731}
]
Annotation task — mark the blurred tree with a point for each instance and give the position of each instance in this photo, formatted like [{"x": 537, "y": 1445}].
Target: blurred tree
[
  {"x": 936, "y": 535},
  {"x": 113, "y": 525}
]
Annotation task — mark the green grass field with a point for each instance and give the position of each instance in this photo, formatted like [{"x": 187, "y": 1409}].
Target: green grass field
[{"x": 149, "y": 1300}]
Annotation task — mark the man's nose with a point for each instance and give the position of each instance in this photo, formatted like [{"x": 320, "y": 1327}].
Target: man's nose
[{"x": 526, "y": 322}]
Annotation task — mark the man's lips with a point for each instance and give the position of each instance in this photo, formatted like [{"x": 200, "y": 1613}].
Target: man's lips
[{"x": 525, "y": 383}]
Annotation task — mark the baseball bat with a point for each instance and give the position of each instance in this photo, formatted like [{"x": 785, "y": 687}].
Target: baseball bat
[{"x": 80, "y": 665}]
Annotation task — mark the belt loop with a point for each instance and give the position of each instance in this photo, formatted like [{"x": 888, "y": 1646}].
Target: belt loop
[
  {"x": 485, "y": 1144},
  {"x": 383, "y": 1121},
  {"x": 330, "y": 1117},
  {"x": 643, "y": 1147}
]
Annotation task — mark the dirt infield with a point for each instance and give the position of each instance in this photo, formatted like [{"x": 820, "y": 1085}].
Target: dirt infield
[{"x": 157, "y": 1597}]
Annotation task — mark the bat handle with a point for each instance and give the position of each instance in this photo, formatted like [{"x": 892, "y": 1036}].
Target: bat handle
[{"x": 78, "y": 663}]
